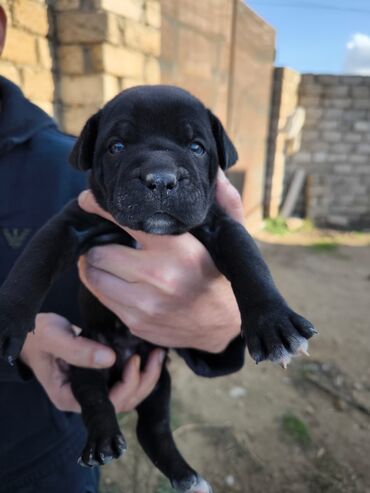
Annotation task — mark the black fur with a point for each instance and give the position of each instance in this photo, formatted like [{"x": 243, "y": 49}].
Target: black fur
[{"x": 161, "y": 182}]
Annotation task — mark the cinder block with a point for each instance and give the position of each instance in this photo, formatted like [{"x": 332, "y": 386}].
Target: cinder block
[
  {"x": 126, "y": 83},
  {"x": 44, "y": 53},
  {"x": 131, "y": 9},
  {"x": 336, "y": 91},
  {"x": 75, "y": 27},
  {"x": 361, "y": 92},
  {"x": 142, "y": 38},
  {"x": 38, "y": 84},
  {"x": 363, "y": 149},
  {"x": 71, "y": 59},
  {"x": 352, "y": 137},
  {"x": 12, "y": 52},
  {"x": 118, "y": 61},
  {"x": 32, "y": 16},
  {"x": 342, "y": 168},
  {"x": 361, "y": 104},
  {"x": 358, "y": 159},
  {"x": 85, "y": 90},
  {"x": 362, "y": 126},
  {"x": 75, "y": 117},
  {"x": 152, "y": 71},
  {"x": 61, "y": 5},
  {"x": 320, "y": 157},
  {"x": 332, "y": 136},
  {"x": 153, "y": 13},
  {"x": 9, "y": 71}
]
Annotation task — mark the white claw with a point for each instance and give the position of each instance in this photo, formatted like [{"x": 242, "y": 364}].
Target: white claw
[{"x": 304, "y": 352}]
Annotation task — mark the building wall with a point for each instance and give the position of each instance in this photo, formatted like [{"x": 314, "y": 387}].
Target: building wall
[
  {"x": 224, "y": 53},
  {"x": 28, "y": 56},
  {"x": 335, "y": 149},
  {"x": 71, "y": 56},
  {"x": 103, "y": 47}
]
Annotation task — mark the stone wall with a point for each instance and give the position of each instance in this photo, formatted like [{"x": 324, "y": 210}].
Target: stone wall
[
  {"x": 104, "y": 46},
  {"x": 28, "y": 56}
]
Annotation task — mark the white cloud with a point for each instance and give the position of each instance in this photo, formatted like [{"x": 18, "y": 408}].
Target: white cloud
[{"x": 358, "y": 55}]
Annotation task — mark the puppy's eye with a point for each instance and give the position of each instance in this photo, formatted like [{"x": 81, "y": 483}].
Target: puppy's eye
[
  {"x": 197, "y": 148},
  {"x": 116, "y": 147}
]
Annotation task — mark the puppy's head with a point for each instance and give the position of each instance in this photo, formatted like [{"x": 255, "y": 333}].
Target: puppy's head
[{"x": 153, "y": 152}]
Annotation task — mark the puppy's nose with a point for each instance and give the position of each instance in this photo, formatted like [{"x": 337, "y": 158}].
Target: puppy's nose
[{"x": 161, "y": 180}]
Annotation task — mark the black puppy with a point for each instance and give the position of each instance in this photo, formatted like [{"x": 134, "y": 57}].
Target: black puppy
[{"x": 153, "y": 154}]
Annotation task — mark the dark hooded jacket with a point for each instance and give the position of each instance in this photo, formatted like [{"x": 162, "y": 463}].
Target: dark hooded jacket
[{"x": 35, "y": 183}]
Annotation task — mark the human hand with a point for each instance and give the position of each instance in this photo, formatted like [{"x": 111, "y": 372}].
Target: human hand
[
  {"x": 169, "y": 292},
  {"x": 54, "y": 344}
]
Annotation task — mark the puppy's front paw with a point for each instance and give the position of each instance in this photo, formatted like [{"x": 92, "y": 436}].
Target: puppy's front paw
[
  {"x": 193, "y": 484},
  {"x": 277, "y": 334},
  {"x": 14, "y": 327}
]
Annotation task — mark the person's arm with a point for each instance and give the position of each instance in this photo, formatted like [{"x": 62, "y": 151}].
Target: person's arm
[
  {"x": 167, "y": 292},
  {"x": 54, "y": 343}
]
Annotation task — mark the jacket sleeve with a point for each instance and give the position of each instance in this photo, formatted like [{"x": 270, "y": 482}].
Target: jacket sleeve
[
  {"x": 18, "y": 372},
  {"x": 212, "y": 365}
]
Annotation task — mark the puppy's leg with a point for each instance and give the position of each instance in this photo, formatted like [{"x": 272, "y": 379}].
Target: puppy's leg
[
  {"x": 105, "y": 441},
  {"x": 272, "y": 330},
  {"x": 155, "y": 436}
]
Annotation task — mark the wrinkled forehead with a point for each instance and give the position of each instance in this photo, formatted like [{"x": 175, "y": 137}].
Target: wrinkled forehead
[{"x": 157, "y": 110}]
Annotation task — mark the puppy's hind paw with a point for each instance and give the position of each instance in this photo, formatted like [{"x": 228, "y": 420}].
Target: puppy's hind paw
[
  {"x": 193, "y": 484},
  {"x": 102, "y": 450}
]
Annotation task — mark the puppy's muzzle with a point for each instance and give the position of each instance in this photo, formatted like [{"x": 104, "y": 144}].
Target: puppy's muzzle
[{"x": 161, "y": 181}]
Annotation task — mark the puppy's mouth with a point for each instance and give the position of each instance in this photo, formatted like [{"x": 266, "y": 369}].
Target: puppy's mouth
[{"x": 161, "y": 223}]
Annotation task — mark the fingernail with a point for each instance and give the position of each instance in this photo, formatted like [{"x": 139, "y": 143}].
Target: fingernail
[
  {"x": 161, "y": 356},
  {"x": 221, "y": 176},
  {"x": 103, "y": 357},
  {"x": 83, "y": 196}
]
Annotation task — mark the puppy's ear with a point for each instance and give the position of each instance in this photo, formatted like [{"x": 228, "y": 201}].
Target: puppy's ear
[
  {"x": 82, "y": 153},
  {"x": 227, "y": 154}
]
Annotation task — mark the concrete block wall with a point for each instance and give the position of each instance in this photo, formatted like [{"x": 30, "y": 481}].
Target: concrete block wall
[{"x": 335, "y": 150}]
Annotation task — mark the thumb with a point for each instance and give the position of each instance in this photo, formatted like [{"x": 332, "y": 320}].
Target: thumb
[
  {"x": 60, "y": 340},
  {"x": 229, "y": 198}
]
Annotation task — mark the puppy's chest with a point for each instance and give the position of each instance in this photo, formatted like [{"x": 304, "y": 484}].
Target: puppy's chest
[{"x": 125, "y": 345}]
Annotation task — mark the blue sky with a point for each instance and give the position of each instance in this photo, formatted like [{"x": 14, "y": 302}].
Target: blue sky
[{"x": 313, "y": 39}]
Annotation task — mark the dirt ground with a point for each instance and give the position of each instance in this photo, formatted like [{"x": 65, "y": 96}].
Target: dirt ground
[{"x": 303, "y": 430}]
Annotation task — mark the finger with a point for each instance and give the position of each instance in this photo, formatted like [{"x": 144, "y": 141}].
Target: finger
[
  {"x": 87, "y": 202},
  {"x": 63, "y": 399},
  {"x": 122, "y": 392},
  {"x": 151, "y": 374},
  {"x": 229, "y": 198},
  {"x": 124, "y": 262},
  {"x": 52, "y": 378},
  {"x": 59, "y": 340}
]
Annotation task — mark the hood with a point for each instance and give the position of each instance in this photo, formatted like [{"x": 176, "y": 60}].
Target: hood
[{"x": 19, "y": 118}]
